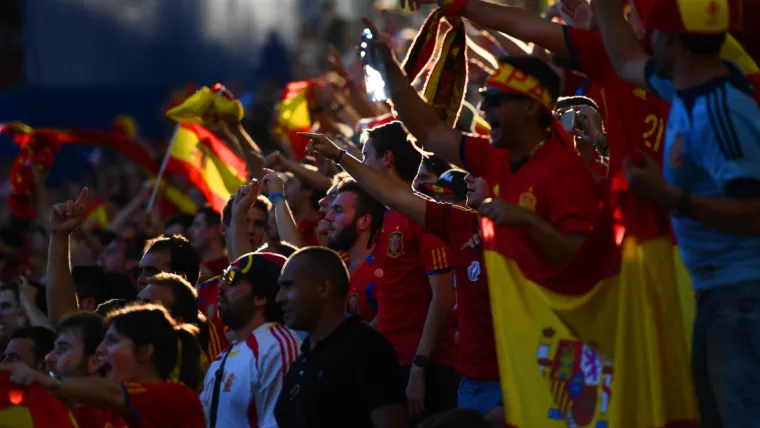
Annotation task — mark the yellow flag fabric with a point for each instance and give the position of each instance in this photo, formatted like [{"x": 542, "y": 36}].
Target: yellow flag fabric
[
  {"x": 206, "y": 107},
  {"x": 293, "y": 115},
  {"x": 200, "y": 157},
  {"x": 612, "y": 353}
]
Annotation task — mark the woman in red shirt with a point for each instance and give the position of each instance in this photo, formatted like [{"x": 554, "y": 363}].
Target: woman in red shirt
[{"x": 152, "y": 367}]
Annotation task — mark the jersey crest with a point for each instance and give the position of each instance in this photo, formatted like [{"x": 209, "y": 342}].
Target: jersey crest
[
  {"x": 528, "y": 200},
  {"x": 580, "y": 380},
  {"x": 396, "y": 244},
  {"x": 353, "y": 304},
  {"x": 473, "y": 271}
]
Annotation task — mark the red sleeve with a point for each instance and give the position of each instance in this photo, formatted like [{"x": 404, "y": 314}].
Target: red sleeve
[
  {"x": 442, "y": 219},
  {"x": 588, "y": 54},
  {"x": 308, "y": 232},
  {"x": 572, "y": 198},
  {"x": 166, "y": 404},
  {"x": 475, "y": 152},
  {"x": 435, "y": 253}
]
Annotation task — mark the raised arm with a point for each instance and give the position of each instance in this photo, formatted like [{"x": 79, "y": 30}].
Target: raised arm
[
  {"x": 418, "y": 117},
  {"x": 286, "y": 224},
  {"x": 237, "y": 237},
  {"x": 64, "y": 219},
  {"x": 393, "y": 194},
  {"x": 624, "y": 49}
]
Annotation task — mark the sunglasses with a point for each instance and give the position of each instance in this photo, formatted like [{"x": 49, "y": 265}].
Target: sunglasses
[
  {"x": 495, "y": 99},
  {"x": 232, "y": 275}
]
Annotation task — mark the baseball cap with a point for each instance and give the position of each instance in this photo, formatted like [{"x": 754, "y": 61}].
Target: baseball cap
[
  {"x": 260, "y": 269},
  {"x": 450, "y": 183}
]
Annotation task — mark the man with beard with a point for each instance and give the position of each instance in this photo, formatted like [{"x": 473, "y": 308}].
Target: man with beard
[
  {"x": 256, "y": 219},
  {"x": 354, "y": 219},
  {"x": 480, "y": 388},
  {"x": 415, "y": 283},
  {"x": 242, "y": 385}
]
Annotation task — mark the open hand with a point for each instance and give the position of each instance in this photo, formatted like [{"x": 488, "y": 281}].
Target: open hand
[
  {"x": 322, "y": 145},
  {"x": 67, "y": 216},
  {"x": 22, "y": 374}
]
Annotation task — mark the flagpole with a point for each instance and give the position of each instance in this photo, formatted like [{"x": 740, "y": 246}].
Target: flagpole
[{"x": 161, "y": 171}]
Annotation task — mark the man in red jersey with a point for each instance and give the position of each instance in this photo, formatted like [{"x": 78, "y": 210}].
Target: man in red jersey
[
  {"x": 413, "y": 272},
  {"x": 631, "y": 114},
  {"x": 354, "y": 219},
  {"x": 205, "y": 237},
  {"x": 480, "y": 388}
]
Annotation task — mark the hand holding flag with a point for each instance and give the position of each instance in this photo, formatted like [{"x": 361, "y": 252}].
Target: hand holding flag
[{"x": 66, "y": 217}]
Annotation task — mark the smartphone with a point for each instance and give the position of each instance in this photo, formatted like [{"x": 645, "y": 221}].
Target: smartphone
[
  {"x": 373, "y": 68},
  {"x": 567, "y": 119}
]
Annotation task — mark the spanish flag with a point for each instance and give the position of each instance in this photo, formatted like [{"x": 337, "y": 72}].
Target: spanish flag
[
  {"x": 96, "y": 216},
  {"x": 604, "y": 340},
  {"x": 31, "y": 407},
  {"x": 293, "y": 115},
  {"x": 202, "y": 158}
]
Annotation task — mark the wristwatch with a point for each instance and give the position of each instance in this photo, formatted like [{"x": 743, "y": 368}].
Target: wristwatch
[{"x": 420, "y": 361}]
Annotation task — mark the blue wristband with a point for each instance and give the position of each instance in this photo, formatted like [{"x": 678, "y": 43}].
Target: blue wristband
[{"x": 276, "y": 195}]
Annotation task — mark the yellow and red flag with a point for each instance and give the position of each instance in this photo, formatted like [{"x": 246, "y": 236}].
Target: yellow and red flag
[
  {"x": 207, "y": 106},
  {"x": 31, "y": 407},
  {"x": 293, "y": 115},
  {"x": 197, "y": 154},
  {"x": 96, "y": 216}
]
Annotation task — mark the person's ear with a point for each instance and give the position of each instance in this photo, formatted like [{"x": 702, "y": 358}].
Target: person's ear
[
  {"x": 88, "y": 304},
  {"x": 365, "y": 222},
  {"x": 532, "y": 109},
  {"x": 259, "y": 301},
  {"x": 388, "y": 159},
  {"x": 144, "y": 353},
  {"x": 93, "y": 364}
]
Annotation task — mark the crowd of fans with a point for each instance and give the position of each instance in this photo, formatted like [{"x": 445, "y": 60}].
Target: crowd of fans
[{"x": 348, "y": 288}]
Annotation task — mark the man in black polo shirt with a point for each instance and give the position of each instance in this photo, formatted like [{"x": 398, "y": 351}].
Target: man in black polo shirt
[{"x": 346, "y": 375}]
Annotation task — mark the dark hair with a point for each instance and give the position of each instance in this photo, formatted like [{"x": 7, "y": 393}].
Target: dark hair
[
  {"x": 337, "y": 178},
  {"x": 134, "y": 245},
  {"x": 210, "y": 217},
  {"x": 90, "y": 326},
  {"x": 316, "y": 194},
  {"x": 702, "y": 44},
  {"x": 120, "y": 286},
  {"x": 184, "y": 220},
  {"x": 147, "y": 324},
  {"x": 576, "y": 100},
  {"x": 436, "y": 165},
  {"x": 328, "y": 265},
  {"x": 185, "y": 296},
  {"x": 90, "y": 282},
  {"x": 365, "y": 204},
  {"x": 184, "y": 259},
  {"x": 40, "y": 300},
  {"x": 261, "y": 202},
  {"x": 112, "y": 305},
  {"x": 392, "y": 137},
  {"x": 456, "y": 418},
  {"x": 42, "y": 338},
  {"x": 283, "y": 248},
  {"x": 104, "y": 236}
]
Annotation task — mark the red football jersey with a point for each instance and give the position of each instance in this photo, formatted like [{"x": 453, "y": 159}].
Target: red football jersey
[
  {"x": 208, "y": 303},
  {"x": 308, "y": 232},
  {"x": 217, "y": 266},
  {"x": 460, "y": 229},
  {"x": 91, "y": 417},
  {"x": 554, "y": 183},
  {"x": 165, "y": 405},
  {"x": 361, "y": 299},
  {"x": 630, "y": 114},
  {"x": 405, "y": 255}
]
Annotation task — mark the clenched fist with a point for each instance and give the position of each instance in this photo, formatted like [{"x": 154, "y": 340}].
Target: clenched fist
[{"x": 67, "y": 216}]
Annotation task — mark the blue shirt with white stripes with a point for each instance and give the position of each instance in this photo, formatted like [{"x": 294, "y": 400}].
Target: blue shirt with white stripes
[{"x": 712, "y": 149}]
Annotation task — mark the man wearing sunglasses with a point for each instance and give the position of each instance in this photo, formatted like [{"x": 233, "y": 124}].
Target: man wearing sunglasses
[{"x": 243, "y": 383}]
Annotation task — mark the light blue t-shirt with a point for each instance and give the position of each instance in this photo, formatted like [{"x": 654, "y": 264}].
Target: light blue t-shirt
[{"x": 712, "y": 149}]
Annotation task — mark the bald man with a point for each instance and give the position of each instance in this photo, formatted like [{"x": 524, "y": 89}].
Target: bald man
[{"x": 357, "y": 362}]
